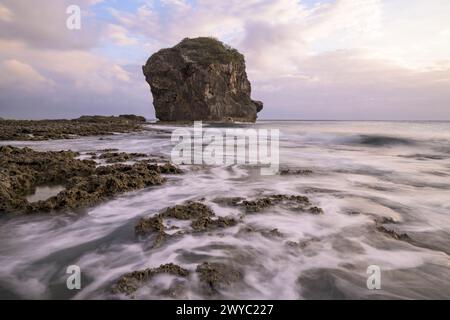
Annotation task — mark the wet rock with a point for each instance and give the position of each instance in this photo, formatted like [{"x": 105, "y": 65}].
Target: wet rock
[
  {"x": 302, "y": 244},
  {"x": 273, "y": 233},
  {"x": 315, "y": 210},
  {"x": 232, "y": 201},
  {"x": 105, "y": 183},
  {"x": 200, "y": 79},
  {"x": 113, "y": 157},
  {"x": 257, "y": 205},
  {"x": 22, "y": 170},
  {"x": 153, "y": 225},
  {"x": 290, "y": 202},
  {"x": 68, "y": 129},
  {"x": 166, "y": 168},
  {"x": 146, "y": 225},
  {"x": 217, "y": 276},
  {"x": 384, "y": 220},
  {"x": 202, "y": 217},
  {"x": 352, "y": 212},
  {"x": 188, "y": 211},
  {"x": 265, "y": 232},
  {"x": 303, "y": 172},
  {"x": 393, "y": 234},
  {"x": 132, "y": 117},
  {"x": 379, "y": 226},
  {"x": 208, "y": 223},
  {"x": 131, "y": 282}
]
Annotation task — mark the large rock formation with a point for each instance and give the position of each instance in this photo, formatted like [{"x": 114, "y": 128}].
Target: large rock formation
[{"x": 200, "y": 79}]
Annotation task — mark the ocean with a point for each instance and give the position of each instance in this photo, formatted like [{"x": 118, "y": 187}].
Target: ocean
[{"x": 358, "y": 172}]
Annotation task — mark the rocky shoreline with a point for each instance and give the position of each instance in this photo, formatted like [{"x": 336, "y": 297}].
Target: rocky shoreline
[
  {"x": 85, "y": 183},
  {"x": 91, "y": 178},
  {"x": 36, "y": 130}
]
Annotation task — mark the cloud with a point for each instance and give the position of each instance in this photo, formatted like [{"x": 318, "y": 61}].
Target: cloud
[
  {"x": 342, "y": 59},
  {"x": 119, "y": 35},
  {"x": 44, "y": 25},
  {"x": 66, "y": 83},
  {"x": 5, "y": 14},
  {"x": 19, "y": 74},
  {"x": 349, "y": 84}
]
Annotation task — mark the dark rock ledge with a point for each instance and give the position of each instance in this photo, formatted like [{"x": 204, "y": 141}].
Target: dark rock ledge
[
  {"x": 35, "y": 130},
  {"x": 22, "y": 170}
]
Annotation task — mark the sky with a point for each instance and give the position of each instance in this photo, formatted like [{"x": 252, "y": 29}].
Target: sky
[{"x": 306, "y": 59}]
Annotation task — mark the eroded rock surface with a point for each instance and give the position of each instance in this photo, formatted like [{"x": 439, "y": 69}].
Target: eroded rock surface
[
  {"x": 213, "y": 276},
  {"x": 217, "y": 276},
  {"x": 23, "y": 169},
  {"x": 289, "y": 202},
  {"x": 200, "y": 79},
  {"x": 202, "y": 218},
  {"x": 131, "y": 282},
  {"x": 35, "y": 130}
]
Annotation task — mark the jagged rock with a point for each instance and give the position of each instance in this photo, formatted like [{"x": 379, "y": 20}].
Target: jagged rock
[
  {"x": 200, "y": 79},
  {"x": 391, "y": 232},
  {"x": 146, "y": 225},
  {"x": 188, "y": 211},
  {"x": 207, "y": 223},
  {"x": 315, "y": 210},
  {"x": 35, "y": 130},
  {"x": 268, "y": 233},
  {"x": 113, "y": 157},
  {"x": 290, "y": 202},
  {"x": 202, "y": 219},
  {"x": 216, "y": 276},
  {"x": 132, "y": 117},
  {"x": 23, "y": 169},
  {"x": 131, "y": 282}
]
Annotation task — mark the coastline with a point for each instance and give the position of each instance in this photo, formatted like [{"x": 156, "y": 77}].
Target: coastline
[{"x": 210, "y": 239}]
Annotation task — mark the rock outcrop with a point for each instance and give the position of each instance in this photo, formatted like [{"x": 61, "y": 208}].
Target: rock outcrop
[
  {"x": 36, "y": 130},
  {"x": 23, "y": 170},
  {"x": 200, "y": 79}
]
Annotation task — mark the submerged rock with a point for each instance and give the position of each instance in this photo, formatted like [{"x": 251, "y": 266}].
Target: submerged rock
[
  {"x": 113, "y": 157},
  {"x": 300, "y": 172},
  {"x": 393, "y": 233},
  {"x": 153, "y": 225},
  {"x": 131, "y": 282},
  {"x": 208, "y": 223},
  {"x": 268, "y": 233},
  {"x": 200, "y": 79},
  {"x": 213, "y": 277},
  {"x": 217, "y": 276},
  {"x": 146, "y": 225},
  {"x": 294, "y": 203},
  {"x": 315, "y": 210},
  {"x": 201, "y": 216}
]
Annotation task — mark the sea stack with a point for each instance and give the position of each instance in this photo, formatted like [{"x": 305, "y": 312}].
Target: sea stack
[{"x": 200, "y": 79}]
